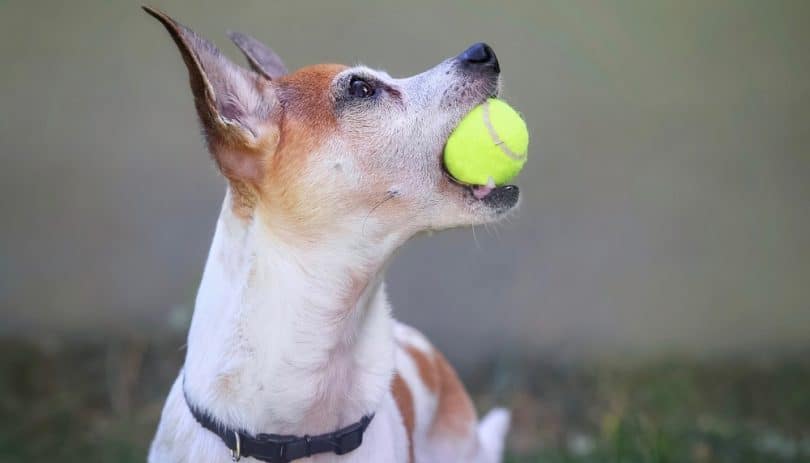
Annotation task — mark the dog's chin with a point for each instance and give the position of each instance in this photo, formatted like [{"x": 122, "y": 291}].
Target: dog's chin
[{"x": 475, "y": 204}]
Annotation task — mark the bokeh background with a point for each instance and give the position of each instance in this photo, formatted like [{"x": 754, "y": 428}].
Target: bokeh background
[{"x": 649, "y": 302}]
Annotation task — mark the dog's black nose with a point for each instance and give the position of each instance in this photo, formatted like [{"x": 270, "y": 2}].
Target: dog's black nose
[{"x": 480, "y": 56}]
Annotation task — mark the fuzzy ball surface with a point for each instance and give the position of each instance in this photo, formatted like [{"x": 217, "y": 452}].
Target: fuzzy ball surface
[{"x": 488, "y": 145}]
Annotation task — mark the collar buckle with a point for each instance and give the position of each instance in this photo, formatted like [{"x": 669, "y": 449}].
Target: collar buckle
[{"x": 236, "y": 454}]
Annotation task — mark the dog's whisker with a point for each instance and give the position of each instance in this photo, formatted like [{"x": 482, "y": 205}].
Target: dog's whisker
[
  {"x": 475, "y": 238},
  {"x": 389, "y": 195}
]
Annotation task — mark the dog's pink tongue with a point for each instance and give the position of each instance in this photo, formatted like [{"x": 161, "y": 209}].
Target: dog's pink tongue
[{"x": 481, "y": 191}]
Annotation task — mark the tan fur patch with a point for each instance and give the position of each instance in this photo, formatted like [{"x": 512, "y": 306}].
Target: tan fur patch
[
  {"x": 455, "y": 414},
  {"x": 404, "y": 400},
  {"x": 426, "y": 367},
  {"x": 306, "y": 95},
  {"x": 244, "y": 198},
  {"x": 307, "y": 120}
]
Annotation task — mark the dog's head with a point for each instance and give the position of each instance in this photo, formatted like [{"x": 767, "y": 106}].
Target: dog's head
[{"x": 334, "y": 147}]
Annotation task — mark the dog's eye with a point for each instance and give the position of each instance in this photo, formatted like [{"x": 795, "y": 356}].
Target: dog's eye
[{"x": 360, "y": 88}]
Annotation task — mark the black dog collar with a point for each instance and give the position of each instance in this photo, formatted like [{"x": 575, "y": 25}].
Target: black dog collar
[{"x": 275, "y": 448}]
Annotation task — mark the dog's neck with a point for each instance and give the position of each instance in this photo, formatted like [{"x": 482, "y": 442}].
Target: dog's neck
[{"x": 287, "y": 338}]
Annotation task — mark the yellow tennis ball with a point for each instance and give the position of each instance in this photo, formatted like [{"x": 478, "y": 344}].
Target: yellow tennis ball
[{"x": 488, "y": 145}]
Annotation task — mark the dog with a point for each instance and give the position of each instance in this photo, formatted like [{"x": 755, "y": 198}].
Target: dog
[{"x": 292, "y": 351}]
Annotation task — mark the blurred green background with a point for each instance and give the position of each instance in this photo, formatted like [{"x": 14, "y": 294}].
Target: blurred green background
[{"x": 649, "y": 302}]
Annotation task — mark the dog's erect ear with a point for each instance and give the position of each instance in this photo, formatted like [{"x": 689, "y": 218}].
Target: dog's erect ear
[
  {"x": 261, "y": 58},
  {"x": 235, "y": 105}
]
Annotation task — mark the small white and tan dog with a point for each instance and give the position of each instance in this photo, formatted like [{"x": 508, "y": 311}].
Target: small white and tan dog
[{"x": 329, "y": 170}]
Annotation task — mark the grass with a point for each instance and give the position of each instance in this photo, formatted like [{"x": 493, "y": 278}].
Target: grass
[{"x": 95, "y": 402}]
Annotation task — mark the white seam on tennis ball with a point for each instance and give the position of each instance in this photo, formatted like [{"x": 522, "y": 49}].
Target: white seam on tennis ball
[{"x": 494, "y": 135}]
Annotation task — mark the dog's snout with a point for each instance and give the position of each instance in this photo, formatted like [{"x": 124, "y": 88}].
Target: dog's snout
[{"x": 480, "y": 57}]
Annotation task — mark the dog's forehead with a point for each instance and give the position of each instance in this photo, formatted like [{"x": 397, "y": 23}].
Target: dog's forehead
[{"x": 306, "y": 93}]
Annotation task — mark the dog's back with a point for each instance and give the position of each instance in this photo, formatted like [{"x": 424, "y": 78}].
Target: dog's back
[{"x": 439, "y": 416}]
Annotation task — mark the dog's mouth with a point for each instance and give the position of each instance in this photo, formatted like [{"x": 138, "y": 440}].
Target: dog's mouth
[
  {"x": 484, "y": 84},
  {"x": 498, "y": 197}
]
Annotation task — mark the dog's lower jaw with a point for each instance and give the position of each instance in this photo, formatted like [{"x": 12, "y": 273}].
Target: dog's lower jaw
[{"x": 287, "y": 340}]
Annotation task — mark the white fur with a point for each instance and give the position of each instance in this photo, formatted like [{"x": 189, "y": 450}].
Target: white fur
[{"x": 271, "y": 351}]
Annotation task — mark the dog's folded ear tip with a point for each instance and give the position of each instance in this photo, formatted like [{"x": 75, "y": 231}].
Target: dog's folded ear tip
[
  {"x": 262, "y": 59},
  {"x": 236, "y": 37}
]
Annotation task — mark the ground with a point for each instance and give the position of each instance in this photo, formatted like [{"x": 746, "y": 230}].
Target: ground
[{"x": 100, "y": 401}]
